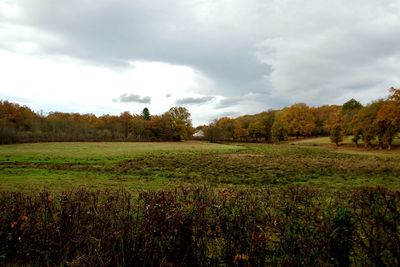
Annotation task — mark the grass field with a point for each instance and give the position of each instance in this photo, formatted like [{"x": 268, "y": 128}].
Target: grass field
[
  {"x": 232, "y": 205},
  {"x": 142, "y": 166}
]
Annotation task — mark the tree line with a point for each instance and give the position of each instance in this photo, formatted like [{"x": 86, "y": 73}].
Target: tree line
[
  {"x": 379, "y": 120},
  {"x": 21, "y": 124}
]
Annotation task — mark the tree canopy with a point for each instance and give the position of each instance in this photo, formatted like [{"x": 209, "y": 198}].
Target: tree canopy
[{"x": 21, "y": 124}]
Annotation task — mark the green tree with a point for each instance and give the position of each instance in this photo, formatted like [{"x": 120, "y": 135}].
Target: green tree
[
  {"x": 146, "y": 114},
  {"x": 349, "y": 110},
  {"x": 334, "y": 126}
]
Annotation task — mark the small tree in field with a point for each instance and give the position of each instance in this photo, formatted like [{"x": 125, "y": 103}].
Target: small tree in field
[
  {"x": 334, "y": 126},
  {"x": 336, "y": 134}
]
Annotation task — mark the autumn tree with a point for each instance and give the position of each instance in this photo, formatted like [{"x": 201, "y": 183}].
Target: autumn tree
[
  {"x": 321, "y": 116},
  {"x": 388, "y": 118},
  {"x": 181, "y": 124},
  {"x": 334, "y": 126},
  {"x": 298, "y": 120},
  {"x": 257, "y": 129},
  {"x": 126, "y": 123},
  {"x": 267, "y": 120},
  {"x": 239, "y": 132},
  {"x": 394, "y": 94},
  {"x": 349, "y": 110},
  {"x": 278, "y": 131},
  {"x": 212, "y": 132},
  {"x": 364, "y": 122},
  {"x": 226, "y": 128},
  {"x": 140, "y": 128}
]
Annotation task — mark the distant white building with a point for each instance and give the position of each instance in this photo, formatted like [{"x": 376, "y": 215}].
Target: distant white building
[{"x": 199, "y": 134}]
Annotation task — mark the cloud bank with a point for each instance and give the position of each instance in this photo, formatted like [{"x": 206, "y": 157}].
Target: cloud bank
[{"x": 251, "y": 55}]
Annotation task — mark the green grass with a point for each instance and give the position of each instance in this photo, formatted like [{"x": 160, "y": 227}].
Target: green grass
[
  {"x": 142, "y": 166},
  {"x": 89, "y": 152}
]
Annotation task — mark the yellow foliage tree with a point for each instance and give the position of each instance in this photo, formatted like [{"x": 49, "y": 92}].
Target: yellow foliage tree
[{"x": 298, "y": 120}]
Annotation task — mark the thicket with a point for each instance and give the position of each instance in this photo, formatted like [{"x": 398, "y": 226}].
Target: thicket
[
  {"x": 292, "y": 226},
  {"x": 21, "y": 124}
]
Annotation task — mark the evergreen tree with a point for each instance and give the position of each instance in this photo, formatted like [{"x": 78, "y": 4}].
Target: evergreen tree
[{"x": 146, "y": 114}]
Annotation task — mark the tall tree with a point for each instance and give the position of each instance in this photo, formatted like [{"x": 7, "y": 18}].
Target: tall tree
[
  {"x": 278, "y": 131},
  {"x": 297, "y": 120},
  {"x": 239, "y": 133},
  {"x": 181, "y": 124},
  {"x": 146, "y": 114},
  {"x": 212, "y": 132},
  {"x": 334, "y": 125},
  {"x": 394, "y": 94},
  {"x": 388, "y": 117},
  {"x": 349, "y": 110},
  {"x": 364, "y": 122},
  {"x": 226, "y": 126}
]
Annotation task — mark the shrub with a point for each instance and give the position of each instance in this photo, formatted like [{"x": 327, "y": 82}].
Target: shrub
[{"x": 291, "y": 226}]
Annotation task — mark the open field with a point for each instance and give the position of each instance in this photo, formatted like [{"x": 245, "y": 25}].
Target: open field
[
  {"x": 300, "y": 203},
  {"x": 141, "y": 166}
]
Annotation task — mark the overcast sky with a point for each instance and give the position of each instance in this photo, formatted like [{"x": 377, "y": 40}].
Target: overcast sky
[{"x": 217, "y": 58}]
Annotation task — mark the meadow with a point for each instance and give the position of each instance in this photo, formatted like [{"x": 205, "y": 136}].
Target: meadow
[
  {"x": 142, "y": 166},
  {"x": 299, "y": 203}
]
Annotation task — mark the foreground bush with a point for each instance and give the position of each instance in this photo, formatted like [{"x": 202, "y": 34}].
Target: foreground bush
[{"x": 294, "y": 226}]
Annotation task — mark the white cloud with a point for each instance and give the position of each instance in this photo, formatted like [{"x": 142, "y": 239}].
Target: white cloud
[{"x": 70, "y": 85}]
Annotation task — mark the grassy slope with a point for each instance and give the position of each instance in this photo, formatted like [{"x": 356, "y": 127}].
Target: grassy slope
[{"x": 136, "y": 166}]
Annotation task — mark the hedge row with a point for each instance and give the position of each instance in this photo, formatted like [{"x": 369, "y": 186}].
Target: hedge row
[{"x": 293, "y": 226}]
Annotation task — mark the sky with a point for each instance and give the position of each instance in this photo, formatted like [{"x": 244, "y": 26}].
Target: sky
[{"x": 215, "y": 57}]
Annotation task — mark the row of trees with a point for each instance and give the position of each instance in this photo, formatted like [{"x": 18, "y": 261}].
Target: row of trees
[
  {"x": 273, "y": 125},
  {"x": 21, "y": 124},
  {"x": 378, "y": 120}
]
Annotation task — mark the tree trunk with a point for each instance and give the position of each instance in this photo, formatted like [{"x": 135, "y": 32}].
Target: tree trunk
[{"x": 390, "y": 140}]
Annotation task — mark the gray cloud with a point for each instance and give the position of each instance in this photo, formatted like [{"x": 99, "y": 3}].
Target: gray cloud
[
  {"x": 228, "y": 102},
  {"x": 250, "y": 102},
  {"x": 168, "y": 95},
  {"x": 194, "y": 100},
  {"x": 289, "y": 50},
  {"x": 180, "y": 32},
  {"x": 125, "y": 98}
]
